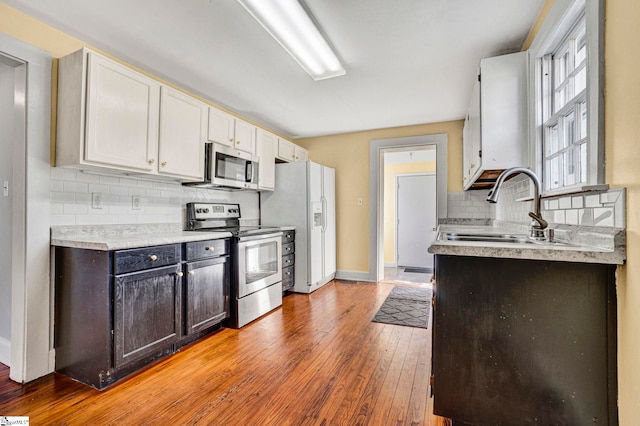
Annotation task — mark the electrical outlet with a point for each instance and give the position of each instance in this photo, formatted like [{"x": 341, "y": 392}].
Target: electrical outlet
[
  {"x": 96, "y": 200},
  {"x": 135, "y": 202}
]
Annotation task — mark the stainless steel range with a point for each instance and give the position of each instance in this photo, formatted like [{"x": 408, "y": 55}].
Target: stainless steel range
[{"x": 257, "y": 259}]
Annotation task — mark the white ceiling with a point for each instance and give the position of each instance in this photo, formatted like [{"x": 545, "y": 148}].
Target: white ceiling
[{"x": 408, "y": 61}]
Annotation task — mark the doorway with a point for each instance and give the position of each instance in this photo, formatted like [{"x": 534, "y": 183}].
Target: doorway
[
  {"x": 26, "y": 77},
  {"x": 412, "y": 163}
]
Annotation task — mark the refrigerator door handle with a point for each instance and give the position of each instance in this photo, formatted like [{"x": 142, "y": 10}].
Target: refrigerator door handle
[{"x": 324, "y": 214}]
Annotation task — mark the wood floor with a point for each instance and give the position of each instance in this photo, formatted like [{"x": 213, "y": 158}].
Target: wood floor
[{"x": 319, "y": 360}]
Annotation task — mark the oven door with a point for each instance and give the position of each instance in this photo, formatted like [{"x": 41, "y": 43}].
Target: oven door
[{"x": 259, "y": 262}]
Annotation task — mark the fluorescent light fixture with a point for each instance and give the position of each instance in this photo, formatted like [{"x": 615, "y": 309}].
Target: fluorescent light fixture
[{"x": 292, "y": 27}]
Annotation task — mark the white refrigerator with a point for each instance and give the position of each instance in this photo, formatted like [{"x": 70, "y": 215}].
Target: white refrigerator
[{"x": 304, "y": 197}]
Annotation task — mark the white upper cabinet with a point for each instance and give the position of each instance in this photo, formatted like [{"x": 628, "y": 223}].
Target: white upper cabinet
[
  {"x": 121, "y": 106},
  {"x": 286, "y": 151},
  {"x": 183, "y": 131},
  {"x": 231, "y": 131},
  {"x": 266, "y": 147},
  {"x": 495, "y": 132},
  {"x": 300, "y": 153},
  {"x": 110, "y": 118},
  {"x": 290, "y": 152}
]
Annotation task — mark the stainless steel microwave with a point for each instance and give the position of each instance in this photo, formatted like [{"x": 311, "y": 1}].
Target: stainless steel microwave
[{"x": 226, "y": 167}]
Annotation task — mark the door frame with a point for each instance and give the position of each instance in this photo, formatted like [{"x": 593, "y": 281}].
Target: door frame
[
  {"x": 32, "y": 355},
  {"x": 376, "y": 190},
  {"x": 395, "y": 225}
]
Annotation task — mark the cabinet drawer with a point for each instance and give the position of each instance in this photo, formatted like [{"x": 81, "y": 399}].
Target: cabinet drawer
[
  {"x": 287, "y": 278},
  {"x": 288, "y": 260},
  {"x": 288, "y": 236},
  {"x": 207, "y": 248},
  {"x": 288, "y": 248},
  {"x": 144, "y": 258}
]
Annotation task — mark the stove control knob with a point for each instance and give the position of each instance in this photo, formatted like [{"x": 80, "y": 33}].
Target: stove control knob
[{"x": 206, "y": 210}]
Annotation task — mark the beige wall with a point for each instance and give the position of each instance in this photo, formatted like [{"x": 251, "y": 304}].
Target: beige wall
[
  {"x": 622, "y": 132},
  {"x": 349, "y": 154},
  {"x": 390, "y": 173}
]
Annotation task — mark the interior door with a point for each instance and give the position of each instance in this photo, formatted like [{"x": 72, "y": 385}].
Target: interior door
[{"x": 416, "y": 218}]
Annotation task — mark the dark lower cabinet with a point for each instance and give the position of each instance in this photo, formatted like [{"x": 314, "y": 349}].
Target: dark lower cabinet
[
  {"x": 207, "y": 293},
  {"x": 147, "y": 313},
  {"x": 117, "y": 311},
  {"x": 288, "y": 260},
  {"x": 524, "y": 342}
]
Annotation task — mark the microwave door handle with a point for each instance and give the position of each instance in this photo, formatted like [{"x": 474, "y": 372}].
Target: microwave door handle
[{"x": 249, "y": 172}]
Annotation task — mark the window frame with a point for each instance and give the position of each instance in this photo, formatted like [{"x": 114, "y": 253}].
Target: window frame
[{"x": 560, "y": 22}]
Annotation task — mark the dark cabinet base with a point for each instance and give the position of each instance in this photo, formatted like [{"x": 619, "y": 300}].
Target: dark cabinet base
[
  {"x": 524, "y": 342},
  {"x": 109, "y": 323}
]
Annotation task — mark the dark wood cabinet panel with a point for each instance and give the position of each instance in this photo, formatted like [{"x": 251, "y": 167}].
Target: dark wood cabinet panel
[
  {"x": 524, "y": 342},
  {"x": 206, "y": 249},
  {"x": 147, "y": 313},
  {"x": 288, "y": 237},
  {"x": 144, "y": 258},
  {"x": 82, "y": 333},
  {"x": 287, "y": 278},
  {"x": 288, "y": 260},
  {"x": 207, "y": 293}
]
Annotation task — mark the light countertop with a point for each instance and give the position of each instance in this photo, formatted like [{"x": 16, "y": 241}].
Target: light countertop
[
  {"x": 119, "y": 237},
  {"x": 582, "y": 244}
]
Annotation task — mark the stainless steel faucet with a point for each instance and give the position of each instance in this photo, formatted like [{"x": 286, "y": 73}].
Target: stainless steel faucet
[{"x": 538, "y": 224}]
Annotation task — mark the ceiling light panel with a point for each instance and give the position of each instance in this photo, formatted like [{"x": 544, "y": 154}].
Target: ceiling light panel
[{"x": 291, "y": 26}]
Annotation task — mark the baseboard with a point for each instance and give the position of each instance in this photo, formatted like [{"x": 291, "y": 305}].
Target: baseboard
[
  {"x": 353, "y": 276},
  {"x": 390, "y": 265},
  {"x": 5, "y": 352}
]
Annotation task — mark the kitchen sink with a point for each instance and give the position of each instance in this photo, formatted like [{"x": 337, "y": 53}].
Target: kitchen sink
[{"x": 494, "y": 238}]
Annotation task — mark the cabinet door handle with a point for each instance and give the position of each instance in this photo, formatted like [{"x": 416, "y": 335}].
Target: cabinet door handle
[
  {"x": 153, "y": 258},
  {"x": 179, "y": 274},
  {"x": 192, "y": 272},
  {"x": 230, "y": 139},
  {"x": 288, "y": 273},
  {"x": 152, "y": 161},
  {"x": 164, "y": 163},
  {"x": 210, "y": 248},
  {"x": 288, "y": 248}
]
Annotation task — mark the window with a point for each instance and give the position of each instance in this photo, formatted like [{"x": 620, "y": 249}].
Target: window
[{"x": 568, "y": 103}]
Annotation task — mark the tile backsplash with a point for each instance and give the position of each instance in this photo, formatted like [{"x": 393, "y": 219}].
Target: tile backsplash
[
  {"x": 588, "y": 209},
  {"x": 606, "y": 208},
  {"x": 470, "y": 205},
  {"x": 71, "y": 192}
]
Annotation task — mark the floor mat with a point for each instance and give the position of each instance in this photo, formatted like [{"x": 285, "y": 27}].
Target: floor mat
[{"x": 408, "y": 306}]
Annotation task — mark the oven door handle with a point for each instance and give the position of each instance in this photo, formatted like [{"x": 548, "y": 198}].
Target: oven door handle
[{"x": 260, "y": 236}]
